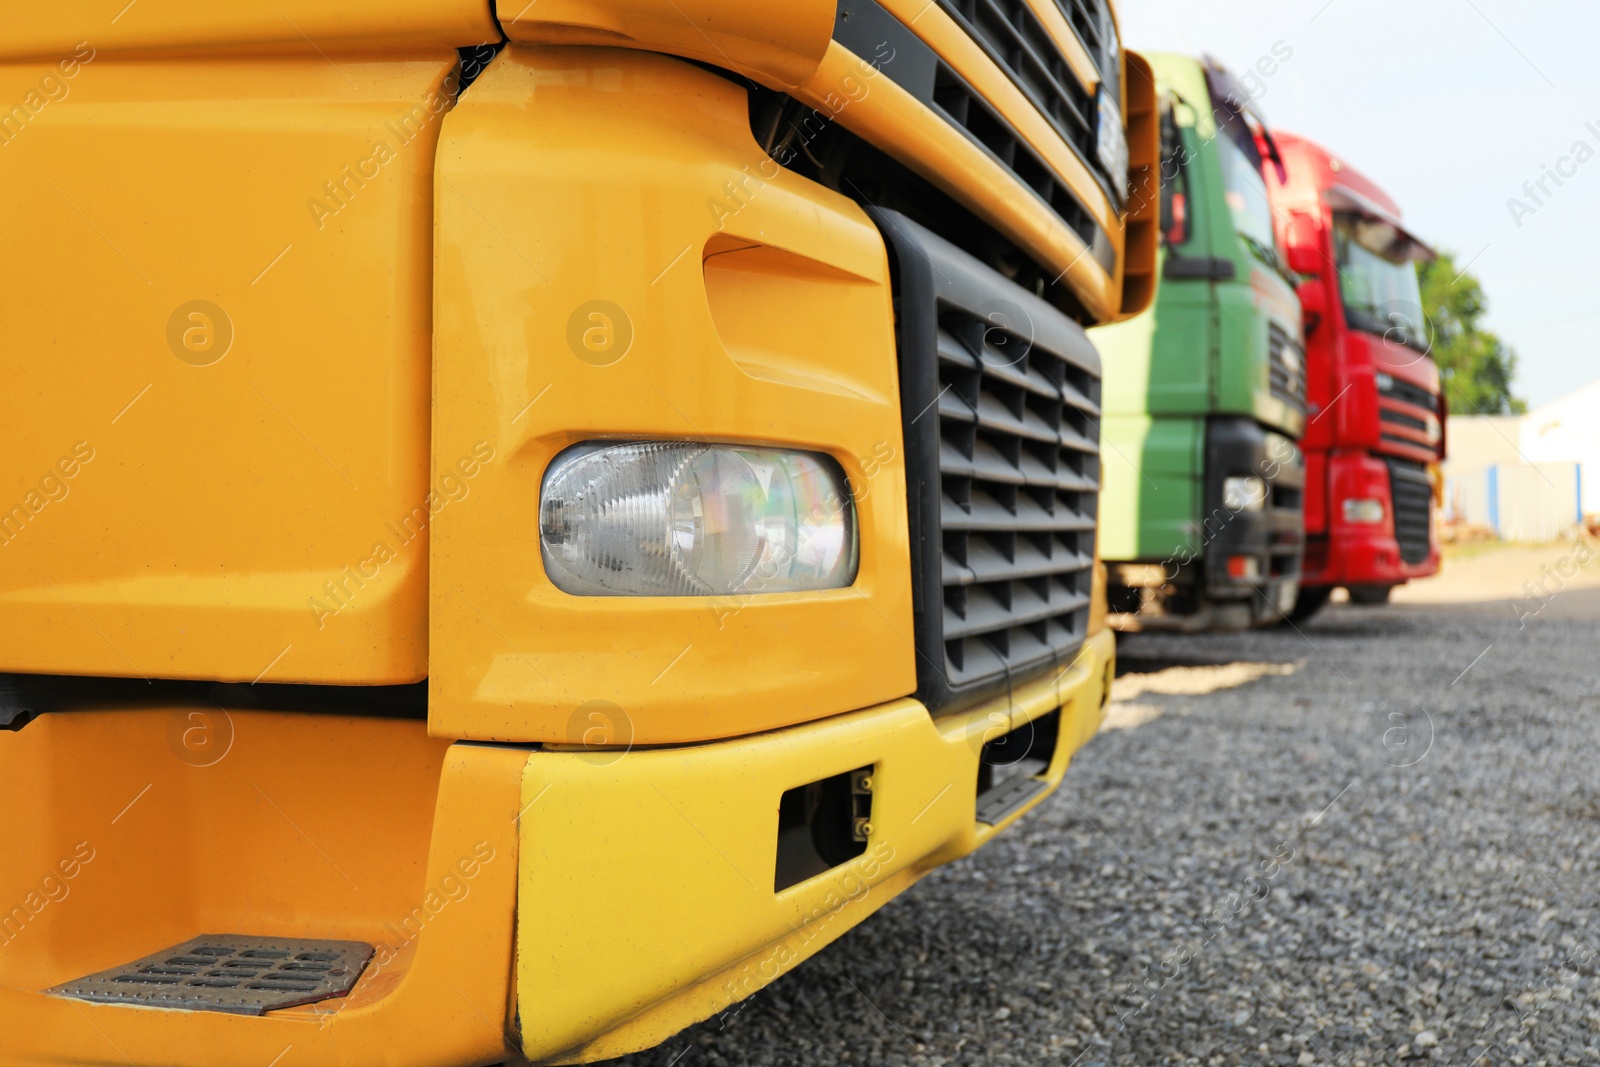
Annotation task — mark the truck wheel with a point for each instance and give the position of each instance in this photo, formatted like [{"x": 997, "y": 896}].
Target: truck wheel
[
  {"x": 1309, "y": 602},
  {"x": 1370, "y": 594}
]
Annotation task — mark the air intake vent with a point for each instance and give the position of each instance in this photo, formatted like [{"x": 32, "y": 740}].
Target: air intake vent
[
  {"x": 864, "y": 27},
  {"x": 1286, "y": 367},
  {"x": 1016, "y": 39},
  {"x": 965, "y": 108},
  {"x": 1403, "y": 391},
  {"x": 1001, "y": 399},
  {"x": 1412, "y": 494}
]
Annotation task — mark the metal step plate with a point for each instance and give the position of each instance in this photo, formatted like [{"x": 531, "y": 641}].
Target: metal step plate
[
  {"x": 233, "y": 973},
  {"x": 1007, "y": 797}
]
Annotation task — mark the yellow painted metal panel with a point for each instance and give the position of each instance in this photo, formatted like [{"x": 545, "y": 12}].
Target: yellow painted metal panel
[
  {"x": 217, "y": 390},
  {"x": 309, "y": 28},
  {"x": 779, "y": 45},
  {"x": 138, "y": 836},
  {"x": 606, "y": 223},
  {"x": 698, "y": 826}
]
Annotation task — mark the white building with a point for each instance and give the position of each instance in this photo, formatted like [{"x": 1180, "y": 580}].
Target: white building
[
  {"x": 1568, "y": 431},
  {"x": 1528, "y": 477}
]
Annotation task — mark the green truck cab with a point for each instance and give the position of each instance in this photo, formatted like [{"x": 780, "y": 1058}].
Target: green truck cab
[{"x": 1204, "y": 393}]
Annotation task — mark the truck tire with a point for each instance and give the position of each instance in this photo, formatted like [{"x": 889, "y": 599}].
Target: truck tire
[
  {"x": 1308, "y": 603},
  {"x": 1370, "y": 594}
]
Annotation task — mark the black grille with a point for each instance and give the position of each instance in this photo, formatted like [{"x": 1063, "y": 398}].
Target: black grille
[
  {"x": 1092, "y": 23},
  {"x": 864, "y": 27},
  {"x": 963, "y": 106},
  {"x": 1286, "y": 367},
  {"x": 1400, "y": 419},
  {"x": 1089, "y": 23},
  {"x": 1015, "y": 38},
  {"x": 1000, "y": 393},
  {"x": 1406, "y": 393},
  {"x": 1412, "y": 494}
]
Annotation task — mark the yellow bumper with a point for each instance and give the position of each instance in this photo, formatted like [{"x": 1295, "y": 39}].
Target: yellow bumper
[
  {"x": 578, "y": 904},
  {"x": 646, "y": 884}
]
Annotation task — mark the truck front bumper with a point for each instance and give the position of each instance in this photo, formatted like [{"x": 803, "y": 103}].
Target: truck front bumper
[
  {"x": 1346, "y": 553},
  {"x": 570, "y": 905},
  {"x": 1270, "y": 540}
]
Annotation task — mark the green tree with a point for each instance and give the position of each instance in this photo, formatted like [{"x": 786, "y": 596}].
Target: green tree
[{"x": 1476, "y": 366}]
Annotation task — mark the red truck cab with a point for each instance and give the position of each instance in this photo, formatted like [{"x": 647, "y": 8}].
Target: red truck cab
[{"x": 1375, "y": 412}]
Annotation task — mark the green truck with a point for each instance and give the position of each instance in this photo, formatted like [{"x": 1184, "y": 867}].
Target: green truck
[{"x": 1204, "y": 393}]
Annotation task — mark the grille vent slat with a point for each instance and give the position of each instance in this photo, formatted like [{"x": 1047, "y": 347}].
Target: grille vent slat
[
  {"x": 1407, "y": 393},
  {"x": 1420, "y": 420},
  {"x": 1412, "y": 495},
  {"x": 1001, "y": 399},
  {"x": 1018, "y": 583},
  {"x": 1016, "y": 39},
  {"x": 1014, "y": 36},
  {"x": 965, "y": 108},
  {"x": 1286, "y": 367}
]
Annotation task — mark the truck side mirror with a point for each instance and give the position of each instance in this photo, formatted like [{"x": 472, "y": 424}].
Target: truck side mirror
[
  {"x": 1304, "y": 258},
  {"x": 1313, "y": 303}
]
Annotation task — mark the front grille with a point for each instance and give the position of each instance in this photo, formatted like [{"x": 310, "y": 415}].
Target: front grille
[
  {"x": 1401, "y": 419},
  {"x": 865, "y": 28},
  {"x": 1412, "y": 495},
  {"x": 1407, "y": 393},
  {"x": 1016, "y": 39},
  {"x": 1286, "y": 367},
  {"x": 1089, "y": 22},
  {"x": 963, "y": 106},
  {"x": 1000, "y": 393}
]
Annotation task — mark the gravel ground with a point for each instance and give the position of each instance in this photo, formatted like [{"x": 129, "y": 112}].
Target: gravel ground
[{"x": 1367, "y": 843}]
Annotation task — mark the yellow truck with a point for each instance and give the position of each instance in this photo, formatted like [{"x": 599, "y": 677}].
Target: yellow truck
[{"x": 519, "y": 526}]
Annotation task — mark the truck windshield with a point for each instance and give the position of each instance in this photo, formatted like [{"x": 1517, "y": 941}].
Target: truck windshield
[
  {"x": 1378, "y": 281},
  {"x": 1246, "y": 194}
]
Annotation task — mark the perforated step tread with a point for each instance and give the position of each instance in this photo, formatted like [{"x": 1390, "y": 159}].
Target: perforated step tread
[{"x": 234, "y": 973}]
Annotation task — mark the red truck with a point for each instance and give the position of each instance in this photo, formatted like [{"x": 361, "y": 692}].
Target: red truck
[{"x": 1374, "y": 432}]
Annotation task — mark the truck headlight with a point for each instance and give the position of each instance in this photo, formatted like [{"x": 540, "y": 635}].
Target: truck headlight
[
  {"x": 1366, "y": 510},
  {"x": 665, "y": 518},
  {"x": 1244, "y": 493}
]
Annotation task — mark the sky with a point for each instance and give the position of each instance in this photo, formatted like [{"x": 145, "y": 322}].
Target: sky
[{"x": 1450, "y": 106}]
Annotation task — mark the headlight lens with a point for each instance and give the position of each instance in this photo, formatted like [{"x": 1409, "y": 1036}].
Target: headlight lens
[
  {"x": 1366, "y": 510},
  {"x": 1244, "y": 493},
  {"x": 683, "y": 519}
]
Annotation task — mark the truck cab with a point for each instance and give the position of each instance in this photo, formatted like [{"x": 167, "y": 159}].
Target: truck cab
[
  {"x": 1377, "y": 429},
  {"x": 520, "y": 524},
  {"x": 1205, "y": 391}
]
